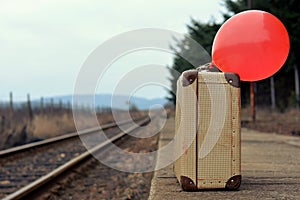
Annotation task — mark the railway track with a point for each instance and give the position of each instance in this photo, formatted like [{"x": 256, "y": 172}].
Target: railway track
[{"x": 27, "y": 168}]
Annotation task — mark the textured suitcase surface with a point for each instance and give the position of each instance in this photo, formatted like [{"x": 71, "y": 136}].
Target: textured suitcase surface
[{"x": 207, "y": 132}]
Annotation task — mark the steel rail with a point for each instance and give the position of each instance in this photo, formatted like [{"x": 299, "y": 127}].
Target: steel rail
[{"x": 23, "y": 192}]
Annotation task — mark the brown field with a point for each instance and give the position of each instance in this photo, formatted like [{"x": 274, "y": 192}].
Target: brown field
[
  {"x": 287, "y": 122},
  {"x": 17, "y": 128},
  {"x": 269, "y": 121}
]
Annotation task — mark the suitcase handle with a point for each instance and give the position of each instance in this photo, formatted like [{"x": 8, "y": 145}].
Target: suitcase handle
[{"x": 208, "y": 67}]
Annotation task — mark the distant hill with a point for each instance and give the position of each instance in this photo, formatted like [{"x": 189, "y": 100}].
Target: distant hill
[{"x": 106, "y": 101}]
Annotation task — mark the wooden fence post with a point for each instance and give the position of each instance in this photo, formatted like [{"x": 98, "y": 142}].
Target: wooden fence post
[
  {"x": 30, "y": 113},
  {"x": 42, "y": 105},
  {"x": 273, "y": 95},
  {"x": 60, "y": 105},
  {"x": 51, "y": 105},
  {"x": 252, "y": 101},
  {"x": 297, "y": 88},
  {"x": 11, "y": 104},
  {"x": 69, "y": 107}
]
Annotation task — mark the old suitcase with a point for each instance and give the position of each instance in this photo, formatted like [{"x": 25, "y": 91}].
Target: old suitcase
[{"x": 207, "y": 136}]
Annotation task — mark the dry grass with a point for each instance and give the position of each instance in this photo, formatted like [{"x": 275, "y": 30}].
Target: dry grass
[
  {"x": 45, "y": 126},
  {"x": 268, "y": 120},
  {"x": 19, "y": 129},
  {"x": 273, "y": 121}
]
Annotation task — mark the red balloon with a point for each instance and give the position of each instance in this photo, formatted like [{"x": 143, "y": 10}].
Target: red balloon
[{"x": 254, "y": 44}]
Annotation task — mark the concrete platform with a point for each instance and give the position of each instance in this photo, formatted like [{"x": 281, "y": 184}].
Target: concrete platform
[{"x": 270, "y": 170}]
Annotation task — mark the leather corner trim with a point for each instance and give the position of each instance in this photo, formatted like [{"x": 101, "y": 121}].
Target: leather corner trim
[
  {"x": 188, "y": 77},
  {"x": 233, "y": 79},
  {"x": 234, "y": 182},
  {"x": 187, "y": 184}
]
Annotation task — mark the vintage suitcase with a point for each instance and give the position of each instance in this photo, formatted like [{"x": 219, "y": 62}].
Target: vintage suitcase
[{"x": 207, "y": 135}]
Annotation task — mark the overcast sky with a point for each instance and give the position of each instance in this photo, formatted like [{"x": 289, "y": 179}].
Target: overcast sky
[{"x": 43, "y": 43}]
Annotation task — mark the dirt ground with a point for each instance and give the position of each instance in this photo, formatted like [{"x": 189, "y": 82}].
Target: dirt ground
[{"x": 287, "y": 123}]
